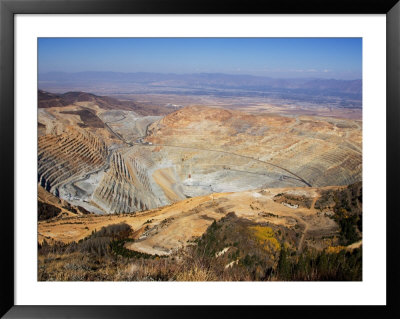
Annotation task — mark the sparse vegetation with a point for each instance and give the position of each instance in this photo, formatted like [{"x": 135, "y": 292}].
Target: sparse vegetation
[{"x": 231, "y": 249}]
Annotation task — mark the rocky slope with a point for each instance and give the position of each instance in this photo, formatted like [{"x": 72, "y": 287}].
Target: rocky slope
[
  {"x": 64, "y": 157},
  {"x": 114, "y": 161},
  {"x": 322, "y": 151}
]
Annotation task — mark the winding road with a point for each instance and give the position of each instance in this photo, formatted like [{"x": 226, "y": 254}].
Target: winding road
[
  {"x": 106, "y": 165},
  {"x": 234, "y": 154},
  {"x": 201, "y": 149}
]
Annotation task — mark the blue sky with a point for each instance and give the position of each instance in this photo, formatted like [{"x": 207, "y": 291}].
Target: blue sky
[{"x": 338, "y": 58}]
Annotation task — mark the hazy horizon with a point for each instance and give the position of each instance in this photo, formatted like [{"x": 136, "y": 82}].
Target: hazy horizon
[
  {"x": 280, "y": 58},
  {"x": 206, "y": 73}
]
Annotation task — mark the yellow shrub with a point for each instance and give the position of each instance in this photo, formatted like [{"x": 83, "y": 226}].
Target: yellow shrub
[
  {"x": 265, "y": 236},
  {"x": 334, "y": 249}
]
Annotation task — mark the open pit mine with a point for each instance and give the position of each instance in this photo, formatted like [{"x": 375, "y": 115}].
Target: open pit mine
[{"x": 170, "y": 175}]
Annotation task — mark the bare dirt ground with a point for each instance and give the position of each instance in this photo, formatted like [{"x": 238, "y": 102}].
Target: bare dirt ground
[{"x": 161, "y": 231}]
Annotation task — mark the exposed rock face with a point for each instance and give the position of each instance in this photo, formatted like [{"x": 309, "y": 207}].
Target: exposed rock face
[
  {"x": 66, "y": 156},
  {"x": 125, "y": 187},
  {"x": 321, "y": 151},
  {"x": 113, "y": 161}
]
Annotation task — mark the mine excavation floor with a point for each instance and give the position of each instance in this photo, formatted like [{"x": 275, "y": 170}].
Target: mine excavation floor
[{"x": 198, "y": 149}]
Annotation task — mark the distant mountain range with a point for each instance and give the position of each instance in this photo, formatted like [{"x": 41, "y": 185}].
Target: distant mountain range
[{"x": 204, "y": 84}]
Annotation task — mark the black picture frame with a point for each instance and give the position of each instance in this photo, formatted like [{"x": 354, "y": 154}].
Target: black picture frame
[{"x": 8, "y": 8}]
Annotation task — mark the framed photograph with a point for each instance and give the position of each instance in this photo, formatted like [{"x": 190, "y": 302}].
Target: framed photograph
[{"x": 168, "y": 159}]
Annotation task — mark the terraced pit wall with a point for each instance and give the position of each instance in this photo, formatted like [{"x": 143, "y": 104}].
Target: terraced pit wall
[{"x": 66, "y": 156}]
